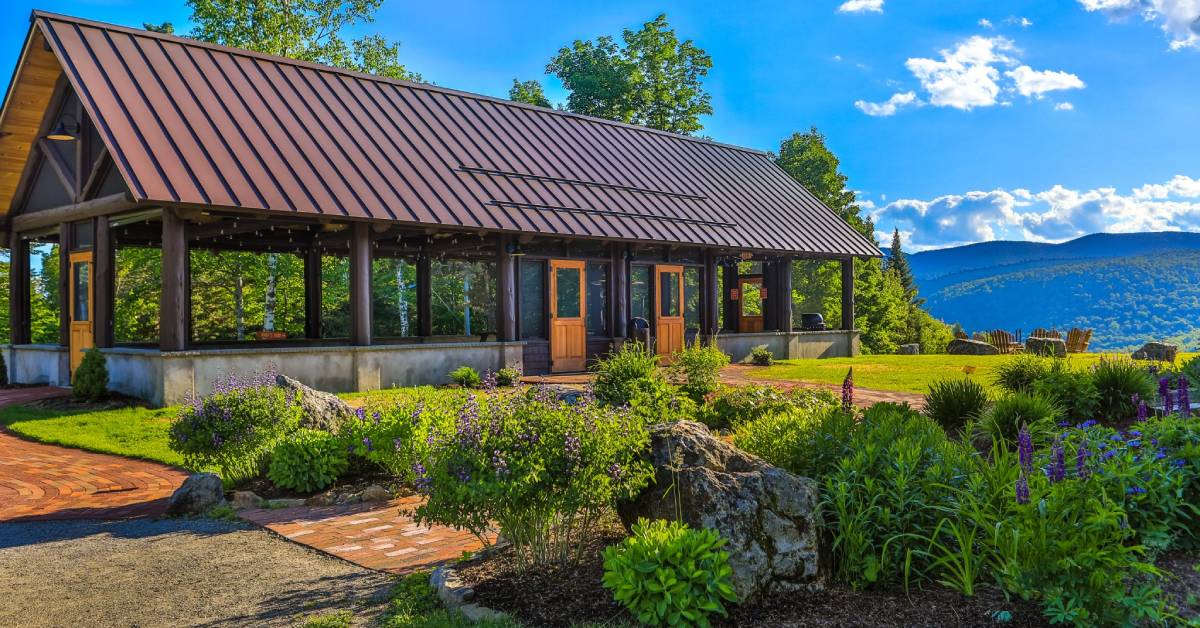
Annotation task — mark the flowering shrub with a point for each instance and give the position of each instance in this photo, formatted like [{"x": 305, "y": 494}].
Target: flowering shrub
[
  {"x": 699, "y": 366},
  {"x": 236, "y": 426},
  {"x": 541, "y": 469},
  {"x": 668, "y": 574},
  {"x": 307, "y": 460},
  {"x": 395, "y": 434}
]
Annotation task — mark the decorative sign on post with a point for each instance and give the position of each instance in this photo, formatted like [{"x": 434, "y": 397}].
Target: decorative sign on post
[
  {"x": 762, "y": 292},
  {"x": 735, "y": 294}
]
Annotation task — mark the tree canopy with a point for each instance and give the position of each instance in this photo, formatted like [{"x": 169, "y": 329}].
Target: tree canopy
[{"x": 529, "y": 92}]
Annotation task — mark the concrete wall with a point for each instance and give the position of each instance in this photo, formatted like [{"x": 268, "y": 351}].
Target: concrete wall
[
  {"x": 792, "y": 345},
  {"x": 38, "y": 364},
  {"x": 167, "y": 378}
]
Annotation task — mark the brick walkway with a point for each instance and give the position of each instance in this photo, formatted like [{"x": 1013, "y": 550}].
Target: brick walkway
[
  {"x": 46, "y": 482},
  {"x": 376, "y": 536}
]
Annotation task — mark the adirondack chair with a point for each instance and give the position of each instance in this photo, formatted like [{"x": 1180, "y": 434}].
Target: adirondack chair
[
  {"x": 1078, "y": 339},
  {"x": 1003, "y": 341},
  {"x": 961, "y": 335},
  {"x": 1042, "y": 332}
]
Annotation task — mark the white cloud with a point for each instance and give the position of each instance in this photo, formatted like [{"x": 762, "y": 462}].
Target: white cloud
[
  {"x": 1033, "y": 83},
  {"x": 889, "y": 107},
  {"x": 970, "y": 75},
  {"x": 986, "y": 23},
  {"x": 1064, "y": 106},
  {"x": 1178, "y": 19},
  {"x": 861, "y": 6},
  {"x": 1052, "y": 215}
]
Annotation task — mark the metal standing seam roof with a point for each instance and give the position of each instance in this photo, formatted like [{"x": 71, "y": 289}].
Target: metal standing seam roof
[{"x": 194, "y": 123}]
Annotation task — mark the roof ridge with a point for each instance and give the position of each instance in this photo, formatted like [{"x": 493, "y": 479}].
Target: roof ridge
[{"x": 49, "y": 15}]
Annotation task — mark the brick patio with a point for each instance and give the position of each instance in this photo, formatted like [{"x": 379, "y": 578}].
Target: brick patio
[{"x": 376, "y": 536}]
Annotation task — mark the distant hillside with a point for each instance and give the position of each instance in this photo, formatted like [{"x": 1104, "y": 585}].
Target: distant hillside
[{"x": 1128, "y": 287}]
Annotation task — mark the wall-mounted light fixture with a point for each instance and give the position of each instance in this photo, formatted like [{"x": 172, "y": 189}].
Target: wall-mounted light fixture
[
  {"x": 515, "y": 250},
  {"x": 66, "y": 129}
]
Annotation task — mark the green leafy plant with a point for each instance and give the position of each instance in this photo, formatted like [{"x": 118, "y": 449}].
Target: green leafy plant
[
  {"x": 660, "y": 402},
  {"x": 735, "y": 405},
  {"x": 668, "y": 574},
  {"x": 1074, "y": 391},
  {"x": 808, "y": 442},
  {"x": 307, "y": 460},
  {"x": 334, "y": 619},
  {"x": 952, "y": 403},
  {"x": 761, "y": 356},
  {"x": 466, "y": 377},
  {"x": 236, "y": 427},
  {"x": 508, "y": 376},
  {"x": 91, "y": 378},
  {"x": 1018, "y": 373},
  {"x": 394, "y": 434},
  {"x": 1117, "y": 381},
  {"x": 699, "y": 366},
  {"x": 624, "y": 374},
  {"x": 1006, "y": 416}
]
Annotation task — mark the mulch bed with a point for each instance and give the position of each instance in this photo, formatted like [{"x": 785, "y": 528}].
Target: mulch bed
[
  {"x": 561, "y": 596},
  {"x": 1182, "y": 582},
  {"x": 114, "y": 401}
]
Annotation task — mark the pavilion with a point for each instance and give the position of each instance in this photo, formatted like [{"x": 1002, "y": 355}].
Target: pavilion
[{"x": 112, "y": 137}]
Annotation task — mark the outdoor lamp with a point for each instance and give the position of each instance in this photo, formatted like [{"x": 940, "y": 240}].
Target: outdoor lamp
[{"x": 64, "y": 131}]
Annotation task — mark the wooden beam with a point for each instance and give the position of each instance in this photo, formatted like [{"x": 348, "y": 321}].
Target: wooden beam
[
  {"x": 710, "y": 295},
  {"x": 173, "y": 310},
  {"x": 424, "y": 296},
  {"x": 360, "y": 285},
  {"x": 99, "y": 170},
  {"x": 312, "y": 293},
  {"x": 112, "y": 204},
  {"x": 29, "y": 169},
  {"x": 64, "y": 171},
  {"x": 65, "y": 238},
  {"x": 783, "y": 290},
  {"x": 770, "y": 313},
  {"x": 506, "y": 291},
  {"x": 848, "y": 294},
  {"x": 104, "y": 283},
  {"x": 731, "y": 306}
]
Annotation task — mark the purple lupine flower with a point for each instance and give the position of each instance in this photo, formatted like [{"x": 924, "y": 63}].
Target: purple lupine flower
[
  {"x": 1056, "y": 471},
  {"x": 848, "y": 391},
  {"x": 468, "y": 424},
  {"x": 1185, "y": 401},
  {"x": 1137, "y": 442},
  {"x": 377, "y": 417},
  {"x": 1164, "y": 392},
  {"x": 1162, "y": 453},
  {"x": 1081, "y": 456},
  {"x": 367, "y": 443},
  {"x": 361, "y": 413},
  {"x": 1143, "y": 410},
  {"x": 1022, "y": 490},
  {"x": 464, "y": 475},
  {"x": 571, "y": 447},
  {"x": 1135, "y": 490},
  {"x": 1025, "y": 449},
  {"x": 1108, "y": 454}
]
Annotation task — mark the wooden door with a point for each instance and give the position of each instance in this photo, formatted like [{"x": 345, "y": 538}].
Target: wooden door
[
  {"x": 568, "y": 307},
  {"x": 750, "y": 308},
  {"x": 83, "y": 334},
  {"x": 668, "y": 309}
]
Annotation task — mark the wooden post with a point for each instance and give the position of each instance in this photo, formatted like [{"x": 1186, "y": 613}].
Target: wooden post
[
  {"x": 424, "y": 295},
  {"x": 104, "y": 283},
  {"x": 731, "y": 307},
  {"x": 173, "y": 311},
  {"x": 506, "y": 291},
  {"x": 64, "y": 284},
  {"x": 848, "y": 294},
  {"x": 18, "y": 290},
  {"x": 770, "y": 312},
  {"x": 312, "y": 292},
  {"x": 360, "y": 285},
  {"x": 619, "y": 291},
  {"x": 783, "y": 292}
]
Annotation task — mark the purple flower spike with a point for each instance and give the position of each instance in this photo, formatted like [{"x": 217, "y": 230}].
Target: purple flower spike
[
  {"x": 1022, "y": 490},
  {"x": 1025, "y": 449},
  {"x": 1056, "y": 472},
  {"x": 1081, "y": 456},
  {"x": 1164, "y": 392},
  {"x": 848, "y": 391}
]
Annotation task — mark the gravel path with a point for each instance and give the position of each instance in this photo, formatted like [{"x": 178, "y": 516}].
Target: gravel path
[{"x": 171, "y": 573}]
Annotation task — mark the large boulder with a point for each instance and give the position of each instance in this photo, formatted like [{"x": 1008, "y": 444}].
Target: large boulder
[
  {"x": 322, "y": 410},
  {"x": 199, "y": 493},
  {"x": 913, "y": 348},
  {"x": 1054, "y": 347},
  {"x": 767, "y": 515},
  {"x": 965, "y": 346},
  {"x": 1157, "y": 351}
]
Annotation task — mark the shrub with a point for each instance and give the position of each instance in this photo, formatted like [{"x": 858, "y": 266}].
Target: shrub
[
  {"x": 1073, "y": 391},
  {"x": 1117, "y": 380},
  {"x": 734, "y": 405},
  {"x": 667, "y": 574},
  {"x": 236, "y": 426},
  {"x": 394, "y": 434},
  {"x": 700, "y": 368},
  {"x": 761, "y": 356},
  {"x": 624, "y": 373},
  {"x": 307, "y": 460},
  {"x": 508, "y": 376},
  {"x": 952, "y": 403},
  {"x": 1191, "y": 370},
  {"x": 806, "y": 442},
  {"x": 1018, "y": 373},
  {"x": 543, "y": 470},
  {"x": 466, "y": 377},
  {"x": 1006, "y": 416},
  {"x": 660, "y": 402},
  {"x": 91, "y": 378}
]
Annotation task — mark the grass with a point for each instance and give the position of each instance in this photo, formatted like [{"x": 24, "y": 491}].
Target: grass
[
  {"x": 903, "y": 373},
  {"x": 132, "y": 432}
]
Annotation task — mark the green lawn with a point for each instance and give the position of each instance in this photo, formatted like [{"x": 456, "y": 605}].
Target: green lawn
[
  {"x": 133, "y": 432},
  {"x": 905, "y": 373}
]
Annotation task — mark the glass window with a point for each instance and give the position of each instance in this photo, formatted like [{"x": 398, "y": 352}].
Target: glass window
[
  {"x": 335, "y": 296},
  {"x": 136, "y": 296},
  {"x": 44, "y": 293},
  {"x": 533, "y": 299},
  {"x": 81, "y": 290},
  {"x": 752, "y": 298},
  {"x": 238, "y": 295},
  {"x": 566, "y": 287},
  {"x": 464, "y": 298},
  {"x": 393, "y": 298},
  {"x": 597, "y": 298},
  {"x": 82, "y": 235},
  {"x": 691, "y": 298},
  {"x": 750, "y": 268},
  {"x": 639, "y": 292},
  {"x": 669, "y": 293}
]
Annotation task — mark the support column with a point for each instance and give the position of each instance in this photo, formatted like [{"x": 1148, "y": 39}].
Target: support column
[
  {"x": 173, "y": 309},
  {"x": 848, "y": 294},
  {"x": 506, "y": 291},
  {"x": 710, "y": 296},
  {"x": 731, "y": 306},
  {"x": 770, "y": 312},
  {"x": 619, "y": 291},
  {"x": 312, "y": 292},
  {"x": 360, "y": 285},
  {"x": 424, "y": 295},
  {"x": 64, "y": 284},
  {"x": 18, "y": 290},
  {"x": 103, "y": 282},
  {"x": 783, "y": 291}
]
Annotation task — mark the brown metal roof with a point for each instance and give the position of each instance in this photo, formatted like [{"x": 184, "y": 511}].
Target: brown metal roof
[{"x": 194, "y": 123}]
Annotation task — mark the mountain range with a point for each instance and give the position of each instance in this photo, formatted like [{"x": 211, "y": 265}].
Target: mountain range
[{"x": 1128, "y": 287}]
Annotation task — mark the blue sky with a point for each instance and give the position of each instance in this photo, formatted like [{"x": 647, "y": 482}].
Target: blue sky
[{"x": 956, "y": 121}]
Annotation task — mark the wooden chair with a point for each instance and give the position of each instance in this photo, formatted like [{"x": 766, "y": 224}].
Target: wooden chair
[
  {"x": 1078, "y": 339},
  {"x": 1042, "y": 332},
  {"x": 961, "y": 335},
  {"x": 1003, "y": 341}
]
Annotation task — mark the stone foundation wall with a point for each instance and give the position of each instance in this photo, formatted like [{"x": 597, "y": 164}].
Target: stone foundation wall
[{"x": 792, "y": 345}]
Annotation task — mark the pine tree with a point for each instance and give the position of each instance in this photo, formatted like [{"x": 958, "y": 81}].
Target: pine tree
[{"x": 897, "y": 263}]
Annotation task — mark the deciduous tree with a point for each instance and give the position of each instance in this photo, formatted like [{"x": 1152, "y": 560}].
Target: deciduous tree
[{"x": 529, "y": 92}]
